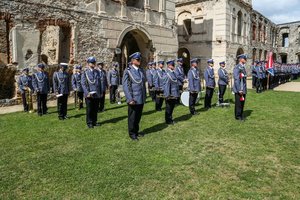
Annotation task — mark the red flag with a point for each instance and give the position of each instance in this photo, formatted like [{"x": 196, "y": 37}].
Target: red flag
[{"x": 270, "y": 61}]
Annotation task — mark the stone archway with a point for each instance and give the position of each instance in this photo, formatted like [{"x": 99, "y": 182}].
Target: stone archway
[
  {"x": 133, "y": 40},
  {"x": 185, "y": 54}
]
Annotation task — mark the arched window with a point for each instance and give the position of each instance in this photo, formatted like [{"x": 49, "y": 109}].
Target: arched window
[{"x": 240, "y": 23}]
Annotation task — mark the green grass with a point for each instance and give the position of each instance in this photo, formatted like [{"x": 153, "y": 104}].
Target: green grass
[
  {"x": 297, "y": 80},
  {"x": 210, "y": 156}
]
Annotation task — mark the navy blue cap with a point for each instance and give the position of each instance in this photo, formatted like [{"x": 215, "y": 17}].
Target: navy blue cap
[
  {"x": 136, "y": 55},
  {"x": 171, "y": 62},
  {"x": 242, "y": 56},
  {"x": 78, "y": 67},
  {"x": 41, "y": 65},
  {"x": 161, "y": 62},
  {"x": 100, "y": 63},
  {"x": 194, "y": 60},
  {"x": 116, "y": 64},
  {"x": 150, "y": 63},
  {"x": 25, "y": 69},
  {"x": 211, "y": 61},
  {"x": 154, "y": 63},
  {"x": 222, "y": 63},
  {"x": 180, "y": 60},
  {"x": 91, "y": 60}
]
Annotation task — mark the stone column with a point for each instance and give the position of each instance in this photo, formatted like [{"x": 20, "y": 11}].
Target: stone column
[
  {"x": 101, "y": 7},
  {"x": 147, "y": 11},
  {"x": 162, "y": 10},
  {"x": 123, "y": 9}
]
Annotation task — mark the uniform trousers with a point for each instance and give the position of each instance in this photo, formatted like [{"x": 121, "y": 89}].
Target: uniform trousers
[
  {"x": 170, "y": 105},
  {"x": 192, "y": 101},
  {"x": 134, "y": 118},
  {"x": 222, "y": 90},
  {"x": 92, "y": 105},
  {"x": 62, "y": 104},
  {"x": 239, "y": 106},
  {"x": 208, "y": 97},
  {"x": 42, "y": 103}
]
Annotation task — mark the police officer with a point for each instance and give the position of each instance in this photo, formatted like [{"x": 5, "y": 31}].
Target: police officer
[
  {"x": 25, "y": 84},
  {"x": 223, "y": 81},
  {"x": 113, "y": 82},
  {"x": 180, "y": 73},
  {"x": 159, "y": 77},
  {"x": 209, "y": 77},
  {"x": 194, "y": 85},
  {"x": 41, "y": 86},
  {"x": 171, "y": 91},
  {"x": 76, "y": 84},
  {"x": 91, "y": 84},
  {"x": 135, "y": 91},
  {"x": 259, "y": 80},
  {"x": 149, "y": 75},
  {"x": 61, "y": 89},
  {"x": 240, "y": 86},
  {"x": 104, "y": 85},
  {"x": 254, "y": 75}
]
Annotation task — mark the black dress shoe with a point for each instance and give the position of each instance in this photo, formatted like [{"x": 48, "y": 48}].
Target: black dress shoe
[
  {"x": 134, "y": 138},
  {"x": 90, "y": 126},
  {"x": 195, "y": 113},
  {"x": 170, "y": 123}
]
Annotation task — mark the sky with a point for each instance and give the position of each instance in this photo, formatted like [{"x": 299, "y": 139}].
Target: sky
[{"x": 279, "y": 11}]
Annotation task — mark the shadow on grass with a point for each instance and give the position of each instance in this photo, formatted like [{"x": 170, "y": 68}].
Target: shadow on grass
[
  {"x": 116, "y": 107},
  {"x": 247, "y": 113},
  {"x": 155, "y": 128},
  {"x": 114, "y": 120},
  {"x": 183, "y": 118},
  {"x": 77, "y": 116}
]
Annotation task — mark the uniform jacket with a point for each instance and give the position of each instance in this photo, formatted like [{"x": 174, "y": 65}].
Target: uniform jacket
[
  {"x": 194, "y": 80},
  {"x": 134, "y": 85},
  {"x": 40, "y": 82},
  {"x": 240, "y": 84},
  {"x": 180, "y": 74},
  {"x": 259, "y": 72},
  {"x": 159, "y": 78},
  {"x": 223, "y": 76},
  {"x": 25, "y": 81},
  {"x": 149, "y": 75},
  {"x": 61, "y": 82},
  {"x": 113, "y": 77},
  {"x": 209, "y": 77},
  {"x": 103, "y": 78},
  {"x": 76, "y": 82},
  {"x": 91, "y": 82},
  {"x": 171, "y": 86}
]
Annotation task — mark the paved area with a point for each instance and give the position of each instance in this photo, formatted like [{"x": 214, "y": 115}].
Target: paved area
[{"x": 290, "y": 86}]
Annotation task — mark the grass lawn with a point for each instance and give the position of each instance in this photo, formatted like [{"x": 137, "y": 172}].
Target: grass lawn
[{"x": 210, "y": 156}]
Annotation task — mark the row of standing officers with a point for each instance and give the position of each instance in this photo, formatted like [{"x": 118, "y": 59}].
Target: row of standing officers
[{"x": 164, "y": 85}]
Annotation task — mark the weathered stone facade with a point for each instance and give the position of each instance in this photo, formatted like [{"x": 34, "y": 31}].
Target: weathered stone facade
[
  {"x": 69, "y": 31},
  {"x": 222, "y": 30},
  {"x": 288, "y": 42}
]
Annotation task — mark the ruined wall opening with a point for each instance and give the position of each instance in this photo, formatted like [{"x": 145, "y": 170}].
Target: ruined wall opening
[
  {"x": 283, "y": 58},
  {"x": 253, "y": 32},
  {"x": 56, "y": 41},
  {"x": 285, "y": 40},
  {"x": 184, "y": 53},
  {"x": 4, "y": 38},
  {"x": 154, "y": 5},
  {"x": 135, "y": 3},
  {"x": 253, "y": 55},
  {"x": 184, "y": 21},
  {"x": 134, "y": 41},
  {"x": 240, "y": 23},
  {"x": 260, "y": 54}
]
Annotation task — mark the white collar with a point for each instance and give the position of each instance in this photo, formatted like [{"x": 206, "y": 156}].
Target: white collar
[{"x": 135, "y": 67}]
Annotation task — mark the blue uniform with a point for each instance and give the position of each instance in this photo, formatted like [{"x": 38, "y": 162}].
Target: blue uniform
[
  {"x": 180, "y": 74},
  {"x": 91, "y": 82},
  {"x": 40, "y": 82},
  {"x": 171, "y": 86},
  {"x": 61, "y": 86},
  {"x": 61, "y": 82},
  {"x": 194, "y": 80},
  {"x": 76, "y": 85},
  {"x": 41, "y": 86},
  {"x": 159, "y": 78},
  {"x": 76, "y": 82},
  {"x": 223, "y": 77},
  {"x": 25, "y": 81},
  {"x": 104, "y": 86},
  {"x": 171, "y": 92},
  {"x": 194, "y": 88},
  {"x": 113, "y": 77},
  {"x": 149, "y": 75},
  {"x": 240, "y": 85},
  {"x": 134, "y": 85},
  {"x": 209, "y": 77}
]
